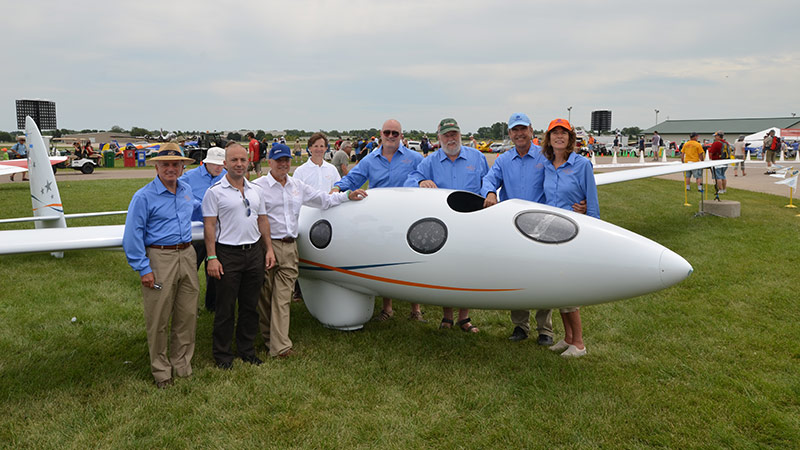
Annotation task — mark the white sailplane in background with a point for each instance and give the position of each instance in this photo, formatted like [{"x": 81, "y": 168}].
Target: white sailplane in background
[{"x": 435, "y": 246}]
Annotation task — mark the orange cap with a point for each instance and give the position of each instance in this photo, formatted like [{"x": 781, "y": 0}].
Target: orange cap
[{"x": 563, "y": 123}]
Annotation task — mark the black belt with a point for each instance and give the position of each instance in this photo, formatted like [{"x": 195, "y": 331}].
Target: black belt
[
  {"x": 180, "y": 246},
  {"x": 287, "y": 239},
  {"x": 239, "y": 247}
]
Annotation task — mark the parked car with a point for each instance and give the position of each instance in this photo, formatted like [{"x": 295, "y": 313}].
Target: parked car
[{"x": 414, "y": 145}]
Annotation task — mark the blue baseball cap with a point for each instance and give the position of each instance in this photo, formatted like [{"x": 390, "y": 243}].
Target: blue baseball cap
[
  {"x": 279, "y": 151},
  {"x": 518, "y": 119}
]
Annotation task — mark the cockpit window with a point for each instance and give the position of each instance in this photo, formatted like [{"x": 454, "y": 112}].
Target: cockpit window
[
  {"x": 427, "y": 235},
  {"x": 465, "y": 202},
  {"x": 546, "y": 227},
  {"x": 320, "y": 234}
]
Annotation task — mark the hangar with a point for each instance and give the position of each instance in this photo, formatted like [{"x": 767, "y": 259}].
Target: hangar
[{"x": 679, "y": 130}]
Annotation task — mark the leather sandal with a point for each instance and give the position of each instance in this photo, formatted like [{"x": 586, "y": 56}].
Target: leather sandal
[
  {"x": 446, "y": 324},
  {"x": 470, "y": 329}
]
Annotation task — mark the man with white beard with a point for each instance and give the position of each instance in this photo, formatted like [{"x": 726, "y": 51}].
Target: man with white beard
[{"x": 452, "y": 166}]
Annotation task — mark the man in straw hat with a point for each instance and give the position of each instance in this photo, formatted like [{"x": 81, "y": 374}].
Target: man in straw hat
[{"x": 158, "y": 244}]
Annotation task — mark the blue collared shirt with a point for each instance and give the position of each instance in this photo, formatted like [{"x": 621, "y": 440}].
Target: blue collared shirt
[
  {"x": 571, "y": 183},
  {"x": 379, "y": 171},
  {"x": 21, "y": 149},
  {"x": 465, "y": 173},
  {"x": 200, "y": 180},
  {"x": 518, "y": 176},
  {"x": 156, "y": 216}
]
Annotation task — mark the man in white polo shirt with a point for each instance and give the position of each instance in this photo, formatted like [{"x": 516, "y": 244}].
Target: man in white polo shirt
[
  {"x": 237, "y": 234},
  {"x": 284, "y": 196}
]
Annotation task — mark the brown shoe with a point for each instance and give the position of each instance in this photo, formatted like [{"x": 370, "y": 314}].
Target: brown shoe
[
  {"x": 383, "y": 316},
  {"x": 164, "y": 384},
  {"x": 286, "y": 354},
  {"x": 417, "y": 316}
]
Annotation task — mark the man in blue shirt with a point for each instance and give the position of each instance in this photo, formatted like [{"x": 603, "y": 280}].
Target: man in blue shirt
[
  {"x": 389, "y": 166},
  {"x": 19, "y": 151},
  {"x": 452, "y": 166},
  {"x": 520, "y": 174},
  {"x": 157, "y": 243},
  {"x": 200, "y": 179}
]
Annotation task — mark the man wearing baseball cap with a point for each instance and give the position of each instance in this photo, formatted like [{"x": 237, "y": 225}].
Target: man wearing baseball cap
[
  {"x": 283, "y": 196},
  {"x": 157, "y": 242},
  {"x": 452, "y": 166},
  {"x": 200, "y": 179},
  {"x": 519, "y": 173},
  {"x": 692, "y": 151}
]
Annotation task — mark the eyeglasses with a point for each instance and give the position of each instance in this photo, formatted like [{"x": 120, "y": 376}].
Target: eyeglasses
[
  {"x": 246, "y": 203},
  {"x": 392, "y": 133}
]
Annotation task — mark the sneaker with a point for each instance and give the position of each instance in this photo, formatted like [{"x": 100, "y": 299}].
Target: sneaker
[
  {"x": 560, "y": 346},
  {"x": 383, "y": 316},
  {"x": 417, "y": 316},
  {"x": 700, "y": 190},
  {"x": 544, "y": 339},
  {"x": 573, "y": 352},
  {"x": 688, "y": 188}
]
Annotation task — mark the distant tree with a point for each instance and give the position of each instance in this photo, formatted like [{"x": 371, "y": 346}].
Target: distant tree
[
  {"x": 6, "y": 137},
  {"x": 631, "y": 132},
  {"x": 268, "y": 136},
  {"x": 117, "y": 129},
  {"x": 234, "y": 136},
  {"x": 138, "y": 131},
  {"x": 484, "y": 132},
  {"x": 260, "y": 134}
]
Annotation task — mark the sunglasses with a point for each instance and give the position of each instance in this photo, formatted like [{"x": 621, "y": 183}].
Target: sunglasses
[
  {"x": 246, "y": 203},
  {"x": 391, "y": 133}
]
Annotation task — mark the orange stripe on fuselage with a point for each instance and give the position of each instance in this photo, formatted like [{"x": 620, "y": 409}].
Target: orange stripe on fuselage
[
  {"x": 401, "y": 282},
  {"x": 49, "y": 206}
]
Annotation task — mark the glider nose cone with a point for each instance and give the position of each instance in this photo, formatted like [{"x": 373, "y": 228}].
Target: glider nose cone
[{"x": 674, "y": 268}]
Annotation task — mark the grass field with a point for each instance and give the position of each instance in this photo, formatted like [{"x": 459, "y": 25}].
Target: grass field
[{"x": 712, "y": 362}]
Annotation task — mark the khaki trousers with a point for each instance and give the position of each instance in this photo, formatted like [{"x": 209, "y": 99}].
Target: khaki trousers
[
  {"x": 176, "y": 272},
  {"x": 544, "y": 320},
  {"x": 276, "y": 296}
]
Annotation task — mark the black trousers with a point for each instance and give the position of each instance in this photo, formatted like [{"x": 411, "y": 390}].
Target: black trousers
[
  {"x": 244, "y": 275},
  {"x": 211, "y": 290}
]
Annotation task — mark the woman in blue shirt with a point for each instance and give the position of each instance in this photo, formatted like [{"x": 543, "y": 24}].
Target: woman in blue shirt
[{"x": 568, "y": 179}]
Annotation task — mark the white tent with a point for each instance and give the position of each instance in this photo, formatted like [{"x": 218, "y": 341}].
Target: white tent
[{"x": 756, "y": 140}]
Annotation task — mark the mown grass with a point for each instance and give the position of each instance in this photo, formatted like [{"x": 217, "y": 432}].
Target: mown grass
[{"x": 712, "y": 362}]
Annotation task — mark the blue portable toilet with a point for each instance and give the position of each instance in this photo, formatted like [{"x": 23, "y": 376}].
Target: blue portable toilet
[{"x": 141, "y": 157}]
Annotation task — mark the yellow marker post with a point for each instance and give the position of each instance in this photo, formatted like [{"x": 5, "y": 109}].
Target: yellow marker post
[
  {"x": 790, "y": 205},
  {"x": 687, "y": 182}
]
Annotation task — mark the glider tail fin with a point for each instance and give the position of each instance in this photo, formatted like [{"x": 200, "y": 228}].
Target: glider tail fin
[{"x": 45, "y": 198}]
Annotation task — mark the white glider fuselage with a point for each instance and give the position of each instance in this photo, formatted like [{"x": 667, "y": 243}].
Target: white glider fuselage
[{"x": 485, "y": 260}]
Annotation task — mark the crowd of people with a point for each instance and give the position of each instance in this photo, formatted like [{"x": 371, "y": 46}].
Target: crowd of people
[{"x": 250, "y": 230}]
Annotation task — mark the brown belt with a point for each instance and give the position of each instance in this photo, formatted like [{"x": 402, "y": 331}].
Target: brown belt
[
  {"x": 287, "y": 239},
  {"x": 180, "y": 246}
]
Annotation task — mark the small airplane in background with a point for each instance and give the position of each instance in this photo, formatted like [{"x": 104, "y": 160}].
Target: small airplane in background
[
  {"x": 12, "y": 166},
  {"x": 436, "y": 250}
]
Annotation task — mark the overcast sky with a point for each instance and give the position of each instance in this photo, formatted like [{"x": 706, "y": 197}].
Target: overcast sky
[{"x": 350, "y": 64}]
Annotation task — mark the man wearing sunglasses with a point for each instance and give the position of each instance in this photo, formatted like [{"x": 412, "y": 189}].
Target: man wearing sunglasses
[
  {"x": 237, "y": 240},
  {"x": 283, "y": 196},
  {"x": 387, "y": 167}
]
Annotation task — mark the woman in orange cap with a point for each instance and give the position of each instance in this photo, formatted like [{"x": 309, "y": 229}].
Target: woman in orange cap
[{"x": 568, "y": 179}]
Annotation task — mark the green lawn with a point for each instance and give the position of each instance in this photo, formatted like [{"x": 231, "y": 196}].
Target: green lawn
[{"x": 712, "y": 362}]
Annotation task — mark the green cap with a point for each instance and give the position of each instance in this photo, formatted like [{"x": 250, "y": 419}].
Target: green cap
[{"x": 448, "y": 124}]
